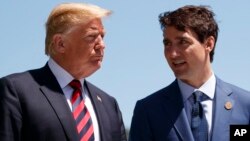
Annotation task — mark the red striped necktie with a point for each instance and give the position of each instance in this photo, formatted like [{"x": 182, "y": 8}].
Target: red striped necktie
[{"x": 81, "y": 113}]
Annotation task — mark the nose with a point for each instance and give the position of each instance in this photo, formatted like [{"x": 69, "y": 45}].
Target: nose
[
  {"x": 172, "y": 52},
  {"x": 100, "y": 43}
]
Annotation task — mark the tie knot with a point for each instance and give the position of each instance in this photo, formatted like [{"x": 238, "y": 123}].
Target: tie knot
[
  {"x": 75, "y": 84},
  {"x": 198, "y": 96}
]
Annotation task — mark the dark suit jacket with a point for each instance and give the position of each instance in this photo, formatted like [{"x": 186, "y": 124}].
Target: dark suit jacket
[
  {"x": 162, "y": 117},
  {"x": 33, "y": 108}
]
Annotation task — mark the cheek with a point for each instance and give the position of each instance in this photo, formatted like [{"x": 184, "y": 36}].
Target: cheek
[
  {"x": 167, "y": 58},
  {"x": 165, "y": 53},
  {"x": 85, "y": 49},
  {"x": 200, "y": 54}
]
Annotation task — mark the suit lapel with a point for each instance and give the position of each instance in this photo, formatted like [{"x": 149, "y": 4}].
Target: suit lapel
[
  {"x": 175, "y": 103},
  {"x": 222, "y": 113},
  {"x": 183, "y": 128},
  {"x": 54, "y": 95}
]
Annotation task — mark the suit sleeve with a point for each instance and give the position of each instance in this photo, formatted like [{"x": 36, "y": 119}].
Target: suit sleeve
[
  {"x": 10, "y": 112},
  {"x": 140, "y": 129}
]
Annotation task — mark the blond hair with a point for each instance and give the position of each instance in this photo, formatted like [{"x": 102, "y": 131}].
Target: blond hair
[{"x": 66, "y": 15}]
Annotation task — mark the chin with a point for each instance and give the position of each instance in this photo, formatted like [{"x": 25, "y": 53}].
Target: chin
[
  {"x": 95, "y": 68},
  {"x": 98, "y": 64},
  {"x": 90, "y": 73},
  {"x": 86, "y": 72},
  {"x": 179, "y": 75}
]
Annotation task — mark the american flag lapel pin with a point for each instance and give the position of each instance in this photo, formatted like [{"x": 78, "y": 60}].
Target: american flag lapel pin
[{"x": 98, "y": 98}]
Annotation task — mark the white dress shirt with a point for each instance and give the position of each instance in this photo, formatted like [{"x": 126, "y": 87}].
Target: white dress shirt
[
  {"x": 64, "y": 78},
  {"x": 208, "y": 88}
]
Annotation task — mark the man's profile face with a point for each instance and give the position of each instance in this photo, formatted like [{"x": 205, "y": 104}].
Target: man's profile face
[{"x": 84, "y": 47}]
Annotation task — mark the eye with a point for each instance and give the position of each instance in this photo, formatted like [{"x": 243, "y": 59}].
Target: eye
[
  {"x": 184, "y": 42},
  {"x": 166, "y": 43},
  {"x": 91, "y": 37}
]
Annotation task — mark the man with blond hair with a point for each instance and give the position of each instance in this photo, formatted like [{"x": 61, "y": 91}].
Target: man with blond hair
[{"x": 55, "y": 102}]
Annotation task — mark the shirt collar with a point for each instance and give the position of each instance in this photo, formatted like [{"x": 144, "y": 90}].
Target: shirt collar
[
  {"x": 207, "y": 88},
  {"x": 62, "y": 76}
]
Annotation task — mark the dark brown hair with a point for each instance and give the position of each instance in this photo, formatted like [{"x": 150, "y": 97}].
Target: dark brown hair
[{"x": 197, "y": 18}]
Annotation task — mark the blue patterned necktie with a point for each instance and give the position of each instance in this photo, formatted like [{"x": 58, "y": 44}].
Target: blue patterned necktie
[{"x": 199, "y": 124}]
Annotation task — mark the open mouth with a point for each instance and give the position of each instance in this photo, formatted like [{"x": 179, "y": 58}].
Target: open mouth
[{"x": 178, "y": 63}]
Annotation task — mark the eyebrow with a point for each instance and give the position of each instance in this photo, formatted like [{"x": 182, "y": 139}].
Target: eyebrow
[
  {"x": 180, "y": 38},
  {"x": 93, "y": 28}
]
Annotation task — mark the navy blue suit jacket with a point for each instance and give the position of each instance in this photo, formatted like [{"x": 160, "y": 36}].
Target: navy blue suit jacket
[
  {"x": 162, "y": 117},
  {"x": 33, "y": 108}
]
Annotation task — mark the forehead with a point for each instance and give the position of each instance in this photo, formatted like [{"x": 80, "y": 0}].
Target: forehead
[
  {"x": 92, "y": 26},
  {"x": 172, "y": 32},
  {"x": 95, "y": 24}
]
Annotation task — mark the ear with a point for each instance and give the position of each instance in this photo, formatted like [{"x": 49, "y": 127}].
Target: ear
[
  {"x": 58, "y": 43},
  {"x": 209, "y": 44}
]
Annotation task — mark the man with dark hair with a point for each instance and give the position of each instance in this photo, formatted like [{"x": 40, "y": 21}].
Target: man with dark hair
[{"x": 198, "y": 105}]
